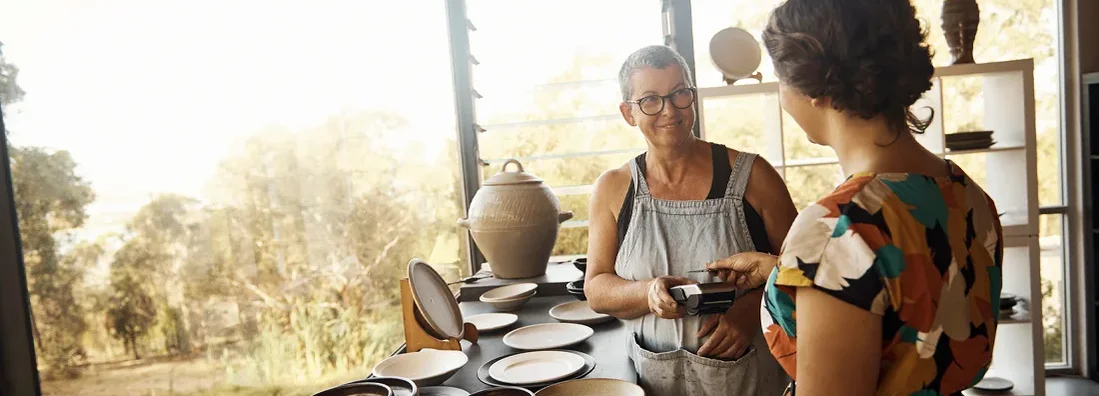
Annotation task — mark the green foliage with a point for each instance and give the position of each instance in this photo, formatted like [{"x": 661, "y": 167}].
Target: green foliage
[
  {"x": 132, "y": 309},
  {"x": 10, "y": 92}
]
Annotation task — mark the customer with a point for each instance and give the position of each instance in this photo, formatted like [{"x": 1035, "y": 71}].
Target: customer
[
  {"x": 682, "y": 204},
  {"x": 889, "y": 285}
]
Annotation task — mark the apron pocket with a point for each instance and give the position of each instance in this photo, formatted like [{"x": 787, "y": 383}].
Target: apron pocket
[{"x": 680, "y": 372}]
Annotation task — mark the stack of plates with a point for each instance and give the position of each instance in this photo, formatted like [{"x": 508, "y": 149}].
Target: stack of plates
[
  {"x": 536, "y": 369},
  {"x": 1008, "y": 302},
  {"x": 969, "y": 140}
]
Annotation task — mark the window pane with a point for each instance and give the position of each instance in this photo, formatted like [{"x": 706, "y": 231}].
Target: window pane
[
  {"x": 550, "y": 94},
  {"x": 813, "y": 183},
  {"x": 220, "y": 199},
  {"x": 1053, "y": 287}
]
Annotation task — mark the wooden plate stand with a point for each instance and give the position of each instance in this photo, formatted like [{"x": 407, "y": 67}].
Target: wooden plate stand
[{"x": 417, "y": 337}]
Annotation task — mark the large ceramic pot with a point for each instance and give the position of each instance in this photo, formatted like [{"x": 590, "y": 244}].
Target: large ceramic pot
[{"x": 514, "y": 219}]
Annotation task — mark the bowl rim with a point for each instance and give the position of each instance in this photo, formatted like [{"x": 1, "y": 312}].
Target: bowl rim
[
  {"x": 533, "y": 287},
  {"x": 387, "y": 362}
]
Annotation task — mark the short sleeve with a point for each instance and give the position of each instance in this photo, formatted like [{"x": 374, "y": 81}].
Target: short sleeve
[{"x": 825, "y": 250}]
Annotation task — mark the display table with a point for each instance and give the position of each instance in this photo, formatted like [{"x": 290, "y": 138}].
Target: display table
[{"x": 607, "y": 345}]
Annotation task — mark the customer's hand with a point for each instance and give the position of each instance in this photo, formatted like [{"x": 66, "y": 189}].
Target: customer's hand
[
  {"x": 732, "y": 332},
  {"x": 748, "y": 270},
  {"x": 661, "y": 302}
]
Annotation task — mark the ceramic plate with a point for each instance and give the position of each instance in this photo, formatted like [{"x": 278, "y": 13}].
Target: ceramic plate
[
  {"x": 592, "y": 386},
  {"x": 735, "y": 52},
  {"x": 434, "y": 299},
  {"x": 578, "y": 312},
  {"x": 547, "y": 336},
  {"x": 399, "y": 386},
  {"x": 535, "y": 367},
  {"x": 442, "y": 391},
  {"x": 509, "y": 292},
  {"x": 492, "y": 321},
  {"x": 358, "y": 389},
  {"x": 484, "y": 377}
]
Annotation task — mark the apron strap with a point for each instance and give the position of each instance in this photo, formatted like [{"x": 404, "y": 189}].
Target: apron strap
[
  {"x": 738, "y": 181},
  {"x": 639, "y": 177}
]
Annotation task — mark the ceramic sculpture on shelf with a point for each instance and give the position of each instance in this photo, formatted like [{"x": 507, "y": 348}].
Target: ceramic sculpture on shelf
[
  {"x": 736, "y": 54},
  {"x": 960, "y": 21},
  {"x": 514, "y": 219}
]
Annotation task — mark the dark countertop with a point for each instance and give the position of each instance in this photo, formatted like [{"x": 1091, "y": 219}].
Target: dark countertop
[
  {"x": 607, "y": 345},
  {"x": 551, "y": 284}
]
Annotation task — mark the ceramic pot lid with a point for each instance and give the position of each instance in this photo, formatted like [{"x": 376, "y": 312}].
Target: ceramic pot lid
[
  {"x": 434, "y": 299},
  {"x": 506, "y": 177}
]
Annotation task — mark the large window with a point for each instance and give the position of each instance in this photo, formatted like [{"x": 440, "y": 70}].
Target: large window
[
  {"x": 548, "y": 95},
  {"x": 1009, "y": 29},
  {"x": 219, "y": 197}
]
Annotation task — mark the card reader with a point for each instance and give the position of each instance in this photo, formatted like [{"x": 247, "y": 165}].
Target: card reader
[{"x": 705, "y": 298}]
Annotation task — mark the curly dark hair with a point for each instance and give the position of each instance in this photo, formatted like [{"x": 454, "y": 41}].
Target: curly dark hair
[{"x": 869, "y": 57}]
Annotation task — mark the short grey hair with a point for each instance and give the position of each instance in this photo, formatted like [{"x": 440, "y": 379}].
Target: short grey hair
[{"x": 654, "y": 56}]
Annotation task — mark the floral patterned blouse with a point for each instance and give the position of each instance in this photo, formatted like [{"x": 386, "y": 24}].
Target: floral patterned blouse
[{"x": 923, "y": 252}]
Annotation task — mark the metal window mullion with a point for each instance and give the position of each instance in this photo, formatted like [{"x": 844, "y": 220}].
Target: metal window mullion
[
  {"x": 1053, "y": 209},
  {"x": 461, "y": 66},
  {"x": 679, "y": 34}
]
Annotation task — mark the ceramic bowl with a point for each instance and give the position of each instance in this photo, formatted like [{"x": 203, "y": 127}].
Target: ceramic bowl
[
  {"x": 428, "y": 367},
  {"x": 509, "y": 292},
  {"x": 581, "y": 264},
  {"x": 400, "y": 386},
  {"x": 576, "y": 288},
  {"x": 592, "y": 386},
  {"x": 357, "y": 389},
  {"x": 504, "y": 391},
  {"x": 508, "y": 305}
]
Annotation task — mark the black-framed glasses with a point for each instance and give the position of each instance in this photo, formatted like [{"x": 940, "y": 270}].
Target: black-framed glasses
[{"x": 653, "y": 104}]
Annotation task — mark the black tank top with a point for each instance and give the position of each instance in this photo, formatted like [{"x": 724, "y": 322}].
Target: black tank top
[{"x": 722, "y": 172}]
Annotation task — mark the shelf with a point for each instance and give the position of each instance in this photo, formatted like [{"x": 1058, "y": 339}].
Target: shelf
[
  {"x": 978, "y": 69},
  {"x": 1021, "y": 317},
  {"x": 996, "y": 148},
  {"x": 737, "y": 90},
  {"x": 574, "y": 224}
]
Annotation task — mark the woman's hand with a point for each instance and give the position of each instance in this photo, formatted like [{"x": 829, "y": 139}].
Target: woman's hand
[
  {"x": 748, "y": 270},
  {"x": 661, "y": 302},
  {"x": 732, "y": 332}
]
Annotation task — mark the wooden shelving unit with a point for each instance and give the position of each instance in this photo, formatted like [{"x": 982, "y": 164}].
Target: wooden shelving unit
[{"x": 1009, "y": 111}]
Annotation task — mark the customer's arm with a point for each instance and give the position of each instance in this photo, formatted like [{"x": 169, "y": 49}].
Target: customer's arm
[
  {"x": 607, "y": 292},
  {"x": 838, "y": 344}
]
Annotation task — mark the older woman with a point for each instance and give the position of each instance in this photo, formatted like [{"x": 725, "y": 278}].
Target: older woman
[
  {"x": 895, "y": 276},
  {"x": 682, "y": 204}
]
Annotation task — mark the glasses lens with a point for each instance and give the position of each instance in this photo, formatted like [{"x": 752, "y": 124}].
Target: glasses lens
[
  {"x": 651, "y": 104},
  {"x": 683, "y": 98}
]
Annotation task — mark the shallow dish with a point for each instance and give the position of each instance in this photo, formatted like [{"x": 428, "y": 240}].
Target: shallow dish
[
  {"x": 434, "y": 299},
  {"x": 442, "y": 391},
  {"x": 509, "y": 305},
  {"x": 581, "y": 264},
  {"x": 399, "y": 386},
  {"x": 504, "y": 391},
  {"x": 536, "y": 367},
  {"x": 484, "y": 377},
  {"x": 735, "y": 52},
  {"x": 492, "y": 321},
  {"x": 547, "y": 336},
  {"x": 509, "y": 292},
  {"x": 578, "y": 312},
  {"x": 357, "y": 389},
  {"x": 576, "y": 288},
  {"x": 428, "y": 367},
  {"x": 592, "y": 386}
]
